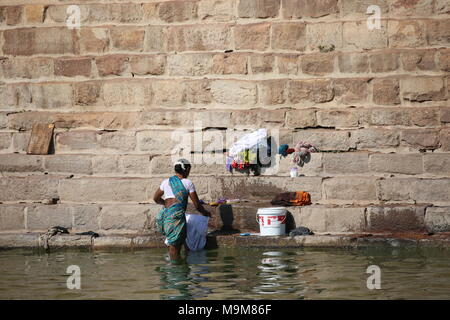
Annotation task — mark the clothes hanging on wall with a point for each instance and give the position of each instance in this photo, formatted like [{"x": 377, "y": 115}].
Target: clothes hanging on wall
[
  {"x": 302, "y": 153},
  {"x": 247, "y": 141},
  {"x": 284, "y": 150},
  {"x": 245, "y": 154}
]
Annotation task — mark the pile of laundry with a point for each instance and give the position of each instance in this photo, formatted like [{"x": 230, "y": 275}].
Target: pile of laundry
[
  {"x": 298, "y": 198},
  {"x": 244, "y": 154},
  {"x": 221, "y": 201},
  {"x": 302, "y": 152},
  {"x": 254, "y": 151}
]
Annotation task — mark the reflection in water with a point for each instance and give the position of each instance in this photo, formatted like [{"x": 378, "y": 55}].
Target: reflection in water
[
  {"x": 228, "y": 273},
  {"x": 275, "y": 269},
  {"x": 175, "y": 276},
  {"x": 185, "y": 277}
]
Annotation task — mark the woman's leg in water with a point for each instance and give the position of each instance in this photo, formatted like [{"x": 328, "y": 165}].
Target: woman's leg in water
[{"x": 174, "y": 252}]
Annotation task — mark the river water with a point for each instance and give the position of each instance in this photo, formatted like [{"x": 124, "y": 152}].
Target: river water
[{"x": 227, "y": 273}]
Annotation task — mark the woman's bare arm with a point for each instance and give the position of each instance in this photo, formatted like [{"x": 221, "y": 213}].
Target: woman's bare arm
[
  {"x": 198, "y": 205},
  {"x": 158, "y": 197}
]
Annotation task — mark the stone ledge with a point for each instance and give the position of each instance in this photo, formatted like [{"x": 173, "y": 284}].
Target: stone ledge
[
  {"x": 323, "y": 218},
  {"x": 114, "y": 219},
  {"x": 11, "y": 240}
]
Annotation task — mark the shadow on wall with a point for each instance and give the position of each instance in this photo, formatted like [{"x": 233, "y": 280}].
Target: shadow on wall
[
  {"x": 231, "y": 220},
  {"x": 251, "y": 189}
]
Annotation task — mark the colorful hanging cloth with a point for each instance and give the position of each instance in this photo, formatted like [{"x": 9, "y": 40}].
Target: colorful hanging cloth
[{"x": 303, "y": 152}]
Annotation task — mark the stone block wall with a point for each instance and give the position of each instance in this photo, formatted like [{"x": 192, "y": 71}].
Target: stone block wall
[{"x": 375, "y": 102}]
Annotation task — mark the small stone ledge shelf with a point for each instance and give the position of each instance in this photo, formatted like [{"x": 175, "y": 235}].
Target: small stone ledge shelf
[{"x": 31, "y": 240}]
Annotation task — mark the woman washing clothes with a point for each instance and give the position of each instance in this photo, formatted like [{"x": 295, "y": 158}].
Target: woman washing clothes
[{"x": 173, "y": 194}]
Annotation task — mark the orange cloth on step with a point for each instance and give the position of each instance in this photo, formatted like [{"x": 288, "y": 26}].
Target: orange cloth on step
[
  {"x": 302, "y": 198},
  {"x": 299, "y": 198}
]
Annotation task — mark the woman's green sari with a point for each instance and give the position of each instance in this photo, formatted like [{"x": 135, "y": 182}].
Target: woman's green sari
[{"x": 171, "y": 222}]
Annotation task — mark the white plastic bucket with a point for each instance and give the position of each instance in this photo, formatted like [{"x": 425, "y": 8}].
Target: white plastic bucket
[{"x": 272, "y": 221}]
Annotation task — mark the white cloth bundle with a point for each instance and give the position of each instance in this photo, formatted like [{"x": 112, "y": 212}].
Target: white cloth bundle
[
  {"x": 197, "y": 228},
  {"x": 248, "y": 141}
]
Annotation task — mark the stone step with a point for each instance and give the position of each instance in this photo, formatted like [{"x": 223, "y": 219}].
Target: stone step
[
  {"x": 322, "y": 164},
  {"x": 239, "y": 217},
  {"x": 343, "y": 219},
  {"x": 31, "y": 241},
  {"x": 339, "y": 190},
  {"x": 361, "y": 219}
]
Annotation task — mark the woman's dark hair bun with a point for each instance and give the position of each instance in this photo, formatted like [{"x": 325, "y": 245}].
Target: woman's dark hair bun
[{"x": 182, "y": 166}]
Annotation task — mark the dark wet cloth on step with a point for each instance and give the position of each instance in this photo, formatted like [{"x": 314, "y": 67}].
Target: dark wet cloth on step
[
  {"x": 298, "y": 198},
  {"x": 301, "y": 231}
]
